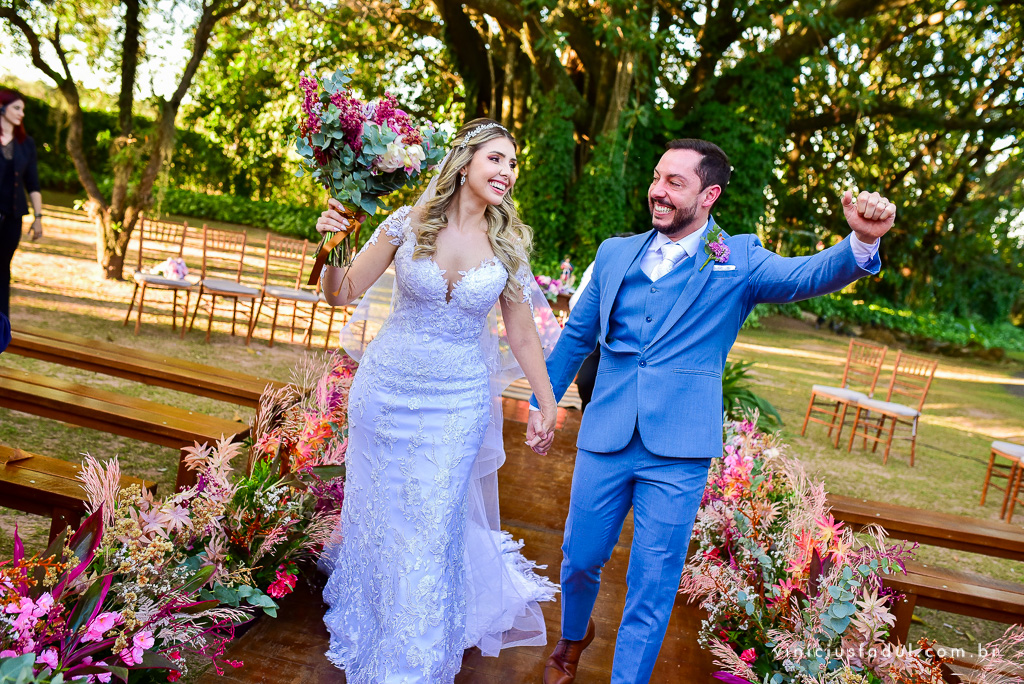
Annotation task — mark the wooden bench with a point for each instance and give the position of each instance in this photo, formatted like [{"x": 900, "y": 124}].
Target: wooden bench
[
  {"x": 931, "y": 528},
  {"x": 140, "y": 366},
  {"x": 952, "y": 591},
  {"x": 114, "y": 413},
  {"x": 47, "y": 486}
]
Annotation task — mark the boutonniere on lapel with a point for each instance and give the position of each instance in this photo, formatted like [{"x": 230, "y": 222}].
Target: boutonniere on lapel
[{"x": 715, "y": 248}]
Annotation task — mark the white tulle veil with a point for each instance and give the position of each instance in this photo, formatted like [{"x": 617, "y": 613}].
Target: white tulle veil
[{"x": 501, "y": 589}]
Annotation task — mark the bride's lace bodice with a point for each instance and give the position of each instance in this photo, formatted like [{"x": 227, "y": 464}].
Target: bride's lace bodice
[{"x": 428, "y": 326}]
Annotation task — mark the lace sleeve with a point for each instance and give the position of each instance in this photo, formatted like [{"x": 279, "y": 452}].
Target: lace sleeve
[
  {"x": 524, "y": 278},
  {"x": 394, "y": 227}
]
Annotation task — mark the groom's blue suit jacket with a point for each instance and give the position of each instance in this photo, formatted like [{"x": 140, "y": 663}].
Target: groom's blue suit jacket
[{"x": 671, "y": 391}]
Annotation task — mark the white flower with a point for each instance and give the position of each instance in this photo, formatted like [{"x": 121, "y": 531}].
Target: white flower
[
  {"x": 414, "y": 156},
  {"x": 401, "y": 156}
]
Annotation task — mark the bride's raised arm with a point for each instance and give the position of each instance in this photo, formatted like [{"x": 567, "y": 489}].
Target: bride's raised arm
[{"x": 341, "y": 286}]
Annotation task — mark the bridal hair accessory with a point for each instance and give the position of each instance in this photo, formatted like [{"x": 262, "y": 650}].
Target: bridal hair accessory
[{"x": 480, "y": 129}]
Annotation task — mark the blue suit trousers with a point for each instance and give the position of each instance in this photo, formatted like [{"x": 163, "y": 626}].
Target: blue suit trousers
[{"x": 664, "y": 494}]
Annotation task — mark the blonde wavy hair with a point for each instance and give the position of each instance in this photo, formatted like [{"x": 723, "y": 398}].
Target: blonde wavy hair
[{"x": 510, "y": 238}]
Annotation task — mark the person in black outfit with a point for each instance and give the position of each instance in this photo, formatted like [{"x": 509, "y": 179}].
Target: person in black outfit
[
  {"x": 18, "y": 175},
  {"x": 5, "y": 333}
]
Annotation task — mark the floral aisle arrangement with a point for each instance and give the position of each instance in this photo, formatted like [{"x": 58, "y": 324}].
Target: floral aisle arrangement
[
  {"x": 791, "y": 595},
  {"x": 552, "y": 287},
  {"x": 359, "y": 151},
  {"x": 110, "y": 599},
  {"x": 149, "y": 584}
]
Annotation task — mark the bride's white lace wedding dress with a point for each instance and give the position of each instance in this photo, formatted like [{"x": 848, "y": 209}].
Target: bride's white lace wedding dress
[{"x": 415, "y": 580}]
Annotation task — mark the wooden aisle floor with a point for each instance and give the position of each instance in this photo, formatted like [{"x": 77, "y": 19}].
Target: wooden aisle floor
[{"x": 534, "y": 500}]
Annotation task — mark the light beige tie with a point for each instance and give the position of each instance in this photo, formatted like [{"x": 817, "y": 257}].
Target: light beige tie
[{"x": 671, "y": 253}]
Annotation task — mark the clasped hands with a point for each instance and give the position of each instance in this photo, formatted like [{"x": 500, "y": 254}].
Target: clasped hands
[{"x": 540, "y": 428}]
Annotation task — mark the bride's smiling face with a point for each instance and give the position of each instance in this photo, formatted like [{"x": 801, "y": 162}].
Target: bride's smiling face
[{"x": 491, "y": 172}]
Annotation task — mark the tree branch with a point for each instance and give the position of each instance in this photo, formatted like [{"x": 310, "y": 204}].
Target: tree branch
[
  {"x": 836, "y": 116},
  {"x": 470, "y": 53},
  {"x": 38, "y": 62},
  {"x": 169, "y": 110}
]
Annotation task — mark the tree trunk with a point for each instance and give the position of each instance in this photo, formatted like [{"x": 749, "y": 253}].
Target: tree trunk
[{"x": 113, "y": 233}]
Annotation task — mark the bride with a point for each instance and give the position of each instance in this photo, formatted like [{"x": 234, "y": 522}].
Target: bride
[{"x": 420, "y": 569}]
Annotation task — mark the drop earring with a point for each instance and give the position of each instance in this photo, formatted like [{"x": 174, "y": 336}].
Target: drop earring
[{"x": 462, "y": 180}]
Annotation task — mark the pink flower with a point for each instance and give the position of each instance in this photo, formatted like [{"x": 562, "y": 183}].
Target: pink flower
[
  {"x": 140, "y": 643},
  {"x": 143, "y": 640},
  {"x": 25, "y": 605},
  {"x": 43, "y": 605},
  {"x": 48, "y": 658},
  {"x": 748, "y": 656},
  {"x": 730, "y": 678},
  {"x": 103, "y": 623},
  {"x": 8, "y": 653}
]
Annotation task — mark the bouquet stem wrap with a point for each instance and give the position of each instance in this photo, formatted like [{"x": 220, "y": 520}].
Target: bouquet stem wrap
[{"x": 338, "y": 249}]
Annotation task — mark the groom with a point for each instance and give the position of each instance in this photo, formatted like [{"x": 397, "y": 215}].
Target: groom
[{"x": 665, "y": 315}]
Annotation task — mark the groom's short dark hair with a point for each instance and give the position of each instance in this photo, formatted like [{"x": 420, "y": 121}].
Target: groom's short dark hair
[{"x": 714, "y": 167}]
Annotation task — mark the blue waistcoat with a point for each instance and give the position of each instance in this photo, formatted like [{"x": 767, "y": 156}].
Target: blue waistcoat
[{"x": 653, "y": 300}]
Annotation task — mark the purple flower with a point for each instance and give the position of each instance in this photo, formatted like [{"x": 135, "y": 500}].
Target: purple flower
[
  {"x": 311, "y": 104},
  {"x": 350, "y": 118},
  {"x": 719, "y": 251}
]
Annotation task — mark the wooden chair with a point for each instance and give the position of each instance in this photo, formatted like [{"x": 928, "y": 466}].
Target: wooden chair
[
  {"x": 912, "y": 378},
  {"x": 343, "y": 312},
  {"x": 286, "y": 254},
  {"x": 224, "y": 255},
  {"x": 1014, "y": 498},
  {"x": 158, "y": 241},
  {"x": 863, "y": 366},
  {"x": 1013, "y": 453}
]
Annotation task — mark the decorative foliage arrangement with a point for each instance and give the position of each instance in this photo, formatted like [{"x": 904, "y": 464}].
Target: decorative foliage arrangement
[
  {"x": 157, "y": 584},
  {"x": 791, "y": 595},
  {"x": 739, "y": 400}
]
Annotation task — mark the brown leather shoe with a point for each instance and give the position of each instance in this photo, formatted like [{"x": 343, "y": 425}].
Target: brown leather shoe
[{"x": 563, "y": 661}]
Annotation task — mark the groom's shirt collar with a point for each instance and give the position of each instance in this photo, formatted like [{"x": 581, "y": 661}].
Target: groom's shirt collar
[{"x": 690, "y": 243}]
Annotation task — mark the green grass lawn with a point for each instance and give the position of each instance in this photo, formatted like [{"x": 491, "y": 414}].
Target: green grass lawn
[{"x": 57, "y": 284}]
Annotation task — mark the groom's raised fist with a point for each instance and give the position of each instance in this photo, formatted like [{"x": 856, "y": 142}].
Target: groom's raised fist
[{"x": 870, "y": 216}]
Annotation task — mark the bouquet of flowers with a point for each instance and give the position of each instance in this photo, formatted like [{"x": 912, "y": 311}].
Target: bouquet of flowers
[
  {"x": 791, "y": 595},
  {"x": 172, "y": 267},
  {"x": 359, "y": 151}
]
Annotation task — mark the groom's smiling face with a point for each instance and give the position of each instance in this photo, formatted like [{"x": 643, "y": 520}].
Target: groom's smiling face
[{"x": 678, "y": 203}]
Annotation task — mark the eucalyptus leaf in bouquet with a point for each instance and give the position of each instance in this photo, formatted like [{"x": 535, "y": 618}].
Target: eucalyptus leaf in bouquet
[{"x": 359, "y": 151}]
